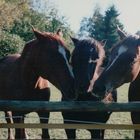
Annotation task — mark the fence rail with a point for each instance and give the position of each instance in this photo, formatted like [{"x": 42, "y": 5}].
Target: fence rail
[
  {"x": 6, "y": 105},
  {"x": 72, "y": 126}
]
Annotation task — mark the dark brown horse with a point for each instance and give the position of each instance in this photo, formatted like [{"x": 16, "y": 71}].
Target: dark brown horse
[
  {"x": 87, "y": 58},
  {"x": 46, "y": 57},
  {"x": 123, "y": 67}
]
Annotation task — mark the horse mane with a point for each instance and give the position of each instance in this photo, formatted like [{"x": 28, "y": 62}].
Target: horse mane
[
  {"x": 95, "y": 44},
  {"x": 101, "y": 55},
  {"x": 100, "y": 49}
]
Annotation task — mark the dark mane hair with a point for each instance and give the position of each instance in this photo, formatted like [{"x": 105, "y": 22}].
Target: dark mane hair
[{"x": 91, "y": 42}]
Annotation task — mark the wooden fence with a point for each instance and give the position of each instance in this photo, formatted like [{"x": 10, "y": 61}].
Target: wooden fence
[{"x": 33, "y": 106}]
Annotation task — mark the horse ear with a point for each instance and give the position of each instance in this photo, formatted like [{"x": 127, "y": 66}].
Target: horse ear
[
  {"x": 121, "y": 33},
  {"x": 59, "y": 33},
  {"x": 103, "y": 42},
  {"x": 39, "y": 35},
  {"x": 75, "y": 40}
]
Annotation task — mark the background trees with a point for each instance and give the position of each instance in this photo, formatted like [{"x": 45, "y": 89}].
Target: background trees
[
  {"x": 17, "y": 16},
  {"x": 16, "y": 19},
  {"x": 11, "y": 10},
  {"x": 102, "y": 27},
  {"x": 10, "y": 43}
]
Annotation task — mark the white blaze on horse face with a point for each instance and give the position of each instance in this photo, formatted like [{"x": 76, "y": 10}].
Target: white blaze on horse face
[
  {"x": 121, "y": 50},
  {"x": 63, "y": 53}
]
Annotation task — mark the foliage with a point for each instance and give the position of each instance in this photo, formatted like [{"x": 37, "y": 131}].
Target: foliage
[
  {"x": 138, "y": 33},
  {"x": 11, "y": 10},
  {"x": 49, "y": 23},
  {"x": 103, "y": 27},
  {"x": 22, "y": 26},
  {"x": 16, "y": 19},
  {"x": 10, "y": 43},
  {"x": 93, "y": 26},
  {"x": 98, "y": 27},
  {"x": 110, "y": 24},
  {"x": 110, "y": 29},
  {"x": 86, "y": 27}
]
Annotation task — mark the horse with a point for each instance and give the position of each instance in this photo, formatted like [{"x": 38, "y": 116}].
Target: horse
[
  {"x": 123, "y": 67},
  {"x": 45, "y": 57},
  {"x": 87, "y": 58},
  {"x": 42, "y": 93}
]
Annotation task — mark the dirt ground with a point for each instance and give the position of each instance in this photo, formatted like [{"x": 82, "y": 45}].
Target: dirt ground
[{"x": 55, "y": 117}]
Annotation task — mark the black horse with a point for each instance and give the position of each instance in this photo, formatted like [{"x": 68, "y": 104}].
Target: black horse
[
  {"x": 45, "y": 57},
  {"x": 87, "y": 58}
]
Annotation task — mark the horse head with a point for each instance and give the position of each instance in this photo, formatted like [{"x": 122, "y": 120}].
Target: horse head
[
  {"x": 87, "y": 58},
  {"x": 123, "y": 66},
  {"x": 48, "y": 57}
]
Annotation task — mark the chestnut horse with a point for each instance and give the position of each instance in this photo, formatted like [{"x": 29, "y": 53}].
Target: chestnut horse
[
  {"x": 45, "y": 57},
  {"x": 87, "y": 58},
  {"x": 123, "y": 67}
]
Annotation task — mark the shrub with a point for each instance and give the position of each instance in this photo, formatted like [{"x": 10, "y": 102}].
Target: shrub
[{"x": 10, "y": 43}]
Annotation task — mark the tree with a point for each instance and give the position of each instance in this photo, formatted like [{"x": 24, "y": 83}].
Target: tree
[
  {"x": 93, "y": 26},
  {"x": 110, "y": 27},
  {"x": 16, "y": 19},
  {"x": 138, "y": 33},
  {"x": 22, "y": 26},
  {"x": 103, "y": 27},
  {"x": 10, "y": 43},
  {"x": 49, "y": 22},
  {"x": 97, "y": 27},
  {"x": 10, "y": 10},
  {"x": 85, "y": 26}
]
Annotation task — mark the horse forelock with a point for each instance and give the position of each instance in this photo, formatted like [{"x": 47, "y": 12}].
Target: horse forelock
[
  {"x": 55, "y": 38},
  {"x": 94, "y": 44},
  {"x": 99, "y": 49}
]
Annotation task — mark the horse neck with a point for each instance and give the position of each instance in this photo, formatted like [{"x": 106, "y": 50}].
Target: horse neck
[
  {"x": 137, "y": 78},
  {"x": 28, "y": 75}
]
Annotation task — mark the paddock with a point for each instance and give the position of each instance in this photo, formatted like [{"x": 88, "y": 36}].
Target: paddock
[{"x": 119, "y": 123}]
